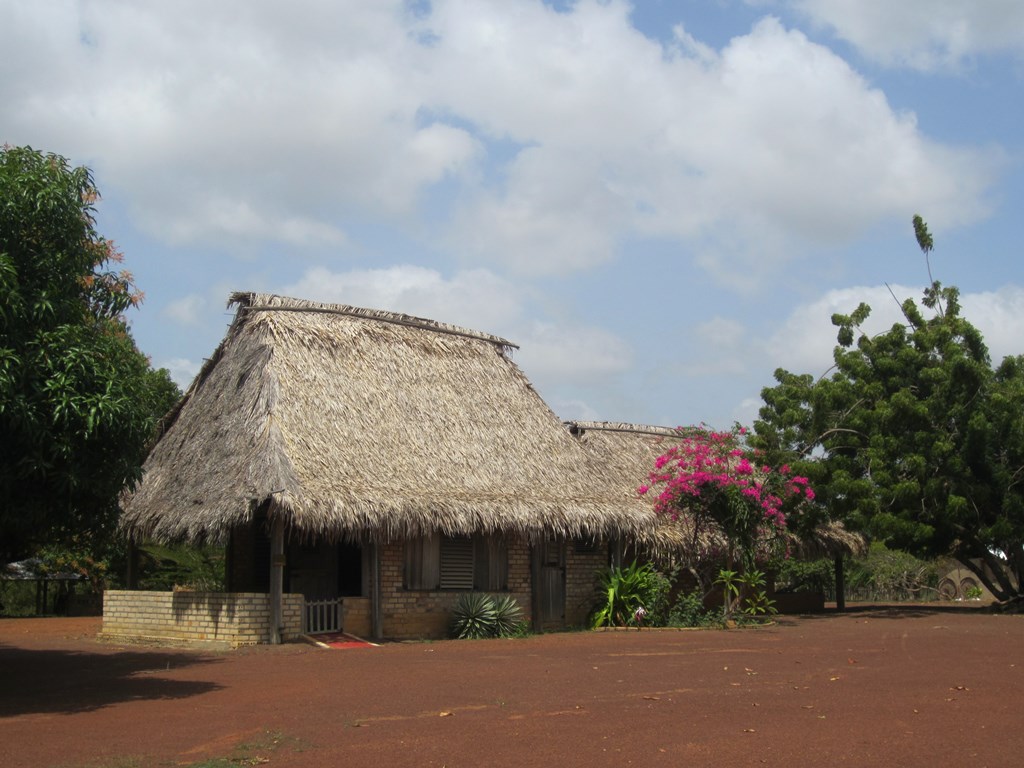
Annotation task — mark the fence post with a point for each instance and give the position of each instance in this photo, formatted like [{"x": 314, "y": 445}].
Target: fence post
[
  {"x": 276, "y": 578},
  {"x": 840, "y": 585}
]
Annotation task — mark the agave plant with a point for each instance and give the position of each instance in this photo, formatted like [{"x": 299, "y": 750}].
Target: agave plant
[
  {"x": 508, "y": 616},
  {"x": 474, "y": 616},
  {"x": 477, "y": 615}
]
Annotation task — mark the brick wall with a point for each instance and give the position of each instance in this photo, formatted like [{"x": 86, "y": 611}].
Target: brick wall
[
  {"x": 581, "y": 568},
  {"x": 410, "y": 614},
  {"x": 232, "y": 618},
  {"x": 355, "y": 616}
]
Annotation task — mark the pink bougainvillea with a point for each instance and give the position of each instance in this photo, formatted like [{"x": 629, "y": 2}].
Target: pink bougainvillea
[{"x": 711, "y": 478}]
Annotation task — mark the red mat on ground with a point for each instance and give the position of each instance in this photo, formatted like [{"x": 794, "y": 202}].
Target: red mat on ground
[{"x": 341, "y": 640}]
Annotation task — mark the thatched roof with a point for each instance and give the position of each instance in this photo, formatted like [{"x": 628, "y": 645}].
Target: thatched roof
[
  {"x": 828, "y": 540},
  {"x": 358, "y": 422},
  {"x": 626, "y": 454}
]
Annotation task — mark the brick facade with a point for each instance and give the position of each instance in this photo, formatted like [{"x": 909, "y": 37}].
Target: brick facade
[
  {"x": 232, "y": 618},
  {"x": 408, "y": 614},
  {"x": 582, "y": 564},
  {"x": 243, "y": 618},
  {"x": 355, "y": 616},
  {"x": 411, "y": 614}
]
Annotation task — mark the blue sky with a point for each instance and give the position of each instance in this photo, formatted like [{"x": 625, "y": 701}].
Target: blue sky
[{"x": 660, "y": 202}]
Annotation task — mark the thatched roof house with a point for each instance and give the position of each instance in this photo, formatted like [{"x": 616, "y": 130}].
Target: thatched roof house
[
  {"x": 354, "y": 454},
  {"x": 351, "y": 422}
]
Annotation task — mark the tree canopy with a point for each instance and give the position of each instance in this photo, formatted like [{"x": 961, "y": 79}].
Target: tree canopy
[
  {"x": 78, "y": 401},
  {"x": 913, "y": 435}
]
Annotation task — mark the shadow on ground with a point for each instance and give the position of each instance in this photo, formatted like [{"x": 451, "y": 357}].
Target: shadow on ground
[{"x": 65, "y": 682}]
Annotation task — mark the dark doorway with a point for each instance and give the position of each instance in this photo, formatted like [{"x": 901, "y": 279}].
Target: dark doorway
[{"x": 350, "y": 569}]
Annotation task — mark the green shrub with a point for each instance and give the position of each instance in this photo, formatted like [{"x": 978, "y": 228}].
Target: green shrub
[
  {"x": 17, "y": 598},
  {"x": 164, "y": 567},
  {"x": 689, "y": 611},
  {"x": 807, "y": 576},
  {"x": 623, "y": 592},
  {"x": 884, "y": 574}
]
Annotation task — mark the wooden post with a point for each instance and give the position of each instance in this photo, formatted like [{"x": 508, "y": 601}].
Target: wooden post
[
  {"x": 131, "y": 577},
  {"x": 535, "y": 588},
  {"x": 276, "y": 578},
  {"x": 376, "y": 619},
  {"x": 840, "y": 585}
]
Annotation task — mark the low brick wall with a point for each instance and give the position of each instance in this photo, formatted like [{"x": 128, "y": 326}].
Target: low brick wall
[{"x": 232, "y": 618}]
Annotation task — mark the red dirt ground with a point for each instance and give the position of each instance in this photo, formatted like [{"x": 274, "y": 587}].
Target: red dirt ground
[{"x": 903, "y": 686}]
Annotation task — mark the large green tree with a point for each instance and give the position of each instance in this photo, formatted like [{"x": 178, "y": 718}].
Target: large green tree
[
  {"x": 913, "y": 435},
  {"x": 78, "y": 401}
]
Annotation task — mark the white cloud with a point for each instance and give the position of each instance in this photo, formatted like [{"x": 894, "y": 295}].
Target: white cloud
[
  {"x": 476, "y": 299},
  {"x": 570, "y": 409},
  {"x": 748, "y": 155},
  {"x": 548, "y": 138},
  {"x": 571, "y": 352},
  {"x": 720, "y": 332},
  {"x": 235, "y": 119},
  {"x": 805, "y": 341},
  {"x": 551, "y": 352},
  {"x": 236, "y": 223},
  {"x": 182, "y": 370},
  {"x": 188, "y": 310},
  {"x": 999, "y": 315},
  {"x": 923, "y": 34}
]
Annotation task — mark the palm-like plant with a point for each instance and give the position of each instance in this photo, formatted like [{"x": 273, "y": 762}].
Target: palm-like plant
[{"x": 623, "y": 593}]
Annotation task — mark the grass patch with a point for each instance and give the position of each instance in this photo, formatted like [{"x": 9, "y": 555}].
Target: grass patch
[
  {"x": 252, "y": 753},
  {"x": 256, "y": 752}
]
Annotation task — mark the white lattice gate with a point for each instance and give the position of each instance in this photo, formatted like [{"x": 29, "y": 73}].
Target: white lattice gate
[{"x": 322, "y": 616}]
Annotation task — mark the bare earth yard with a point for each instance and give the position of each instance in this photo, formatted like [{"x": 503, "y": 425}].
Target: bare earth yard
[{"x": 884, "y": 686}]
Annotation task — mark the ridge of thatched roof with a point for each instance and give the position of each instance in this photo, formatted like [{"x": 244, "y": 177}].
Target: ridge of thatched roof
[
  {"x": 580, "y": 427},
  {"x": 350, "y": 421},
  {"x": 262, "y": 302}
]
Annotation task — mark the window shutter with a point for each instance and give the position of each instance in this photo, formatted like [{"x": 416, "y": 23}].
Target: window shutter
[
  {"x": 456, "y": 563},
  {"x": 491, "y": 563},
  {"x": 421, "y": 563}
]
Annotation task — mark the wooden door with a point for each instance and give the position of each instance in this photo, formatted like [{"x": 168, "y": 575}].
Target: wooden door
[{"x": 549, "y": 584}]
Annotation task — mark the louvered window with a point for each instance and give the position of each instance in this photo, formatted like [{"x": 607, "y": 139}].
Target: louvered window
[{"x": 456, "y": 563}]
